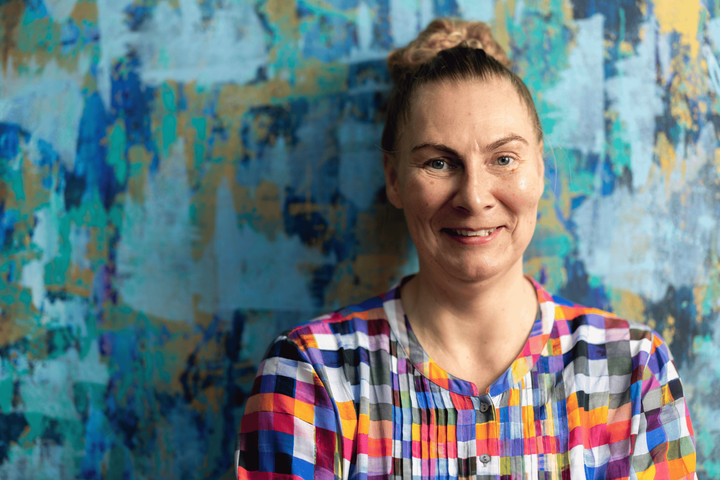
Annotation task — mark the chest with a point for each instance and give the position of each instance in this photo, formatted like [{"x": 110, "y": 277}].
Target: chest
[{"x": 546, "y": 427}]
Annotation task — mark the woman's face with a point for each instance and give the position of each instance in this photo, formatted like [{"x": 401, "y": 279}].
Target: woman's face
[{"x": 469, "y": 176}]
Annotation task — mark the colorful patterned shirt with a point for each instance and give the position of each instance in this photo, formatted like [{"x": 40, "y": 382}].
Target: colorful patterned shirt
[{"x": 353, "y": 394}]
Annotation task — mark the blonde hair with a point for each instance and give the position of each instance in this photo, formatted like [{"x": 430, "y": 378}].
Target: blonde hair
[
  {"x": 443, "y": 34},
  {"x": 451, "y": 51}
]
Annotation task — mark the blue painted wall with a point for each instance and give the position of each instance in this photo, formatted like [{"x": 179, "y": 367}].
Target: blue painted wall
[{"x": 180, "y": 180}]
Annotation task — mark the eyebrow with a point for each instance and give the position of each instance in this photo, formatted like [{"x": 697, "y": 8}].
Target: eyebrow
[{"x": 513, "y": 137}]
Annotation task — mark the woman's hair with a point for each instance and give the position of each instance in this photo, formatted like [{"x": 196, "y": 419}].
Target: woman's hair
[{"x": 451, "y": 51}]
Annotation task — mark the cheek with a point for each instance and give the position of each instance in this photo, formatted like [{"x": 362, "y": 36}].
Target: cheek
[
  {"x": 423, "y": 193},
  {"x": 522, "y": 191}
]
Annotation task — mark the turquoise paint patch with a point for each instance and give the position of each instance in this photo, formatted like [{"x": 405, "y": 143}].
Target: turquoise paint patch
[
  {"x": 117, "y": 147},
  {"x": 6, "y": 394}
]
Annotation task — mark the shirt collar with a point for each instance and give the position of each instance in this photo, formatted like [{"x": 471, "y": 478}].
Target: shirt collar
[{"x": 414, "y": 352}]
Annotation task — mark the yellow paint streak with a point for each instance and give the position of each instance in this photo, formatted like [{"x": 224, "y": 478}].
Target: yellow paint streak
[
  {"x": 500, "y": 31},
  {"x": 628, "y": 305},
  {"x": 665, "y": 152},
  {"x": 681, "y": 17},
  {"x": 554, "y": 269},
  {"x": 85, "y": 12},
  {"x": 669, "y": 331},
  {"x": 139, "y": 159},
  {"x": 699, "y": 296}
]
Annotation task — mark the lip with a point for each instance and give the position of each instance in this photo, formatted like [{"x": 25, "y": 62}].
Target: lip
[{"x": 474, "y": 240}]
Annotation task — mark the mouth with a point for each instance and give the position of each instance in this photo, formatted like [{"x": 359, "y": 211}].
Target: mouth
[{"x": 471, "y": 233}]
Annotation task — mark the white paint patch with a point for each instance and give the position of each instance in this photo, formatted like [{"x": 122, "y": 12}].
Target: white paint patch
[
  {"x": 644, "y": 243},
  {"x": 70, "y": 312},
  {"x": 635, "y": 86},
  {"x": 403, "y": 21},
  {"x": 713, "y": 68},
  {"x": 578, "y": 98},
  {"x": 713, "y": 29},
  {"x": 254, "y": 273},
  {"x": 176, "y": 44},
  {"x": 154, "y": 260},
  {"x": 45, "y": 237},
  {"x": 49, "y": 110},
  {"x": 482, "y": 10},
  {"x": 59, "y": 10},
  {"x": 427, "y": 13},
  {"x": 364, "y": 22}
]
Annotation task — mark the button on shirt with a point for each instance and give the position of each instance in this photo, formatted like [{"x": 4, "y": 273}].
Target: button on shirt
[{"x": 354, "y": 395}]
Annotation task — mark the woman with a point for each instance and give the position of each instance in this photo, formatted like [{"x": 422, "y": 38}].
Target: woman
[{"x": 468, "y": 368}]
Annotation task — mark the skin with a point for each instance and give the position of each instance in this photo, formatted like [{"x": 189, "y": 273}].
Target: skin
[{"x": 469, "y": 158}]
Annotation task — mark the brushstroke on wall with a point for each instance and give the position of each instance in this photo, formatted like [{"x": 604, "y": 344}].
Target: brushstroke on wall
[{"x": 181, "y": 180}]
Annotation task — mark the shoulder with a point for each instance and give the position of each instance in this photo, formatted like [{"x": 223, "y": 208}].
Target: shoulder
[
  {"x": 363, "y": 325},
  {"x": 608, "y": 334}
]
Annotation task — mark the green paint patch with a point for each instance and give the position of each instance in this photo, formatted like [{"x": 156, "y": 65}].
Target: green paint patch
[
  {"x": 7, "y": 387},
  {"x": 117, "y": 147}
]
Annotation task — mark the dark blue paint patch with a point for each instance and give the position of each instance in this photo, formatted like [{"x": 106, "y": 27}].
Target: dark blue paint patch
[
  {"x": 302, "y": 10},
  {"x": 446, "y": 8},
  {"x": 91, "y": 34},
  {"x": 59, "y": 341},
  {"x": 679, "y": 303},
  {"x": 90, "y": 161},
  {"x": 233, "y": 341},
  {"x": 35, "y": 10},
  {"x": 608, "y": 178},
  {"x": 69, "y": 35},
  {"x": 137, "y": 15},
  {"x": 321, "y": 278},
  {"x": 131, "y": 100},
  {"x": 12, "y": 426},
  {"x": 262, "y": 126},
  {"x": 578, "y": 287},
  {"x": 10, "y": 136},
  {"x": 312, "y": 225},
  {"x": 73, "y": 188},
  {"x": 8, "y": 219},
  {"x": 382, "y": 38},
  {"x": 623, "y": 18},
  {"x": 368, "y": 73},
  {"x": 329, "y": 38}
]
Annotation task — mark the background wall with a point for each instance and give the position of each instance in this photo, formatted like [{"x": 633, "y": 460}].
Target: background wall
[{"x": 180, "y": 180}]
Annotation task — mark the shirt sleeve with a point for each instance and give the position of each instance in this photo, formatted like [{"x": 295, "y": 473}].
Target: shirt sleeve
[
  {"x": 289, "y": 429},
  {"x": 664, "y": 443}
]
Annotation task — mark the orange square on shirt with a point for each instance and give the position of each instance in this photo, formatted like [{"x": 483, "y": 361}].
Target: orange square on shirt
[{"x": 304, "y": 412}]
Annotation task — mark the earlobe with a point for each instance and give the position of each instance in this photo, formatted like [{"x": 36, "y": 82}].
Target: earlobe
[{"x": 392, "y": 181}]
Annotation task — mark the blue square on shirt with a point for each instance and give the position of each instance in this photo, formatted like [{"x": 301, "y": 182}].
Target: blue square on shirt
[{"x": 655, "y": 438}]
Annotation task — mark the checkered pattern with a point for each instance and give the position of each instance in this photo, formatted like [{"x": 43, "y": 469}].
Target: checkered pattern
[{"x": 354, "y": 395}]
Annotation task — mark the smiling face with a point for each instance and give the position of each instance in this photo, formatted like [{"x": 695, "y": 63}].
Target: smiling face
[{"x": 469, "y": 175}]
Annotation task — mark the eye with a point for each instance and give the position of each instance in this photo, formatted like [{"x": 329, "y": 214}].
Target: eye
[
  {"x": 504, "y": 161},
  {"x": 437, "y": 164}
]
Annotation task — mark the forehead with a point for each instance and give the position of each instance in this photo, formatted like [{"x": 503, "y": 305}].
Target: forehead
[{"x": 468, "y": 111}]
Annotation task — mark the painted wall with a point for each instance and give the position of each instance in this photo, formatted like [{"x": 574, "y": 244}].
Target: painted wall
[{"x": 180, "y": 180}]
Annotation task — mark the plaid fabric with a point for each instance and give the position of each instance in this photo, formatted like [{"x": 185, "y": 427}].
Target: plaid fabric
[{"x": 353, "y": 395}]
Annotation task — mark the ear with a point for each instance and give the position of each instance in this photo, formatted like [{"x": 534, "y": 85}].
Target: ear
[
  {"x": 541, "y": 151},
  {"x": 392, "y": 180}
]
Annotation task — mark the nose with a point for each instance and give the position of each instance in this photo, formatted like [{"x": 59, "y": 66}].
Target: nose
[{"x": 474, "y": 192}]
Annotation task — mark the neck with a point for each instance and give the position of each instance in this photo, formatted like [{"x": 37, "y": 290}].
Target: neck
[{"x": 468, "y": 327}]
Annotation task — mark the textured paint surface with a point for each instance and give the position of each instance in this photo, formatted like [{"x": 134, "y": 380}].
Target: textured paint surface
[{"x": 181, "y": 180}]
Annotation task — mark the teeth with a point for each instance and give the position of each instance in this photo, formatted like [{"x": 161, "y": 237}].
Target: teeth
[{"x": 479, "y": 233}]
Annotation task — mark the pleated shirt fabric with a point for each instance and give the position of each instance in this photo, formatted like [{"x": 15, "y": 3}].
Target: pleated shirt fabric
[{"x": 353, "y": 394}]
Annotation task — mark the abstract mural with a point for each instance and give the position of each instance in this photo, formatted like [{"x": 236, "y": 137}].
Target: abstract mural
[{"x": 181, "y": 180}]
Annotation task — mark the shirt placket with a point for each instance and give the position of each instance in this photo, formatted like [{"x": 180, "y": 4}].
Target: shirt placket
[{"x": 486, "y": 436}]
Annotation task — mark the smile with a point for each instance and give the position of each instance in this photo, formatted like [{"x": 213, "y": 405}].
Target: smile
[{"x": 471, "y": 233}]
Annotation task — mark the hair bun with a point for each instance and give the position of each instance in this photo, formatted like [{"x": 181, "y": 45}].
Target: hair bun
[{"x": 441, "y": 34}]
